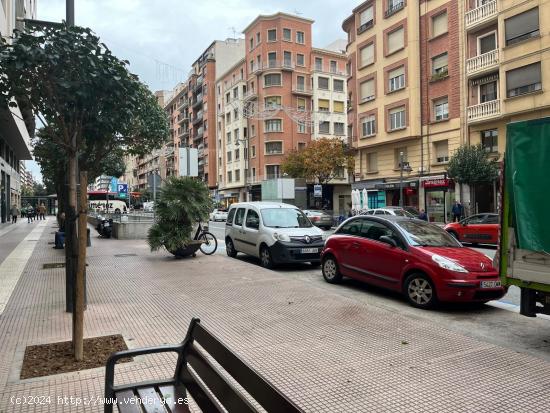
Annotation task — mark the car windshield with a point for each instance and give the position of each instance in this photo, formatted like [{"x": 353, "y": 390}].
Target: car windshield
[
  {"x": 414, "y": 212},
  {"x": 423, "y": 234},
  {"x": 284, "y": 218}
]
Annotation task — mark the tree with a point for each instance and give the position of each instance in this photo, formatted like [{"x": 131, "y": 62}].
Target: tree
[
  {"x": 471, "y": 165},
  {"x": 92, "y": 106},
  {"x": 321, "y": 160},
  {"x": 182, "y": 202},
  {"x": 27, "y": 190}
]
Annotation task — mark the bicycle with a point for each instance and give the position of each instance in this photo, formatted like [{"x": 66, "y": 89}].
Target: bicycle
[{"x": 209, "y": 243}]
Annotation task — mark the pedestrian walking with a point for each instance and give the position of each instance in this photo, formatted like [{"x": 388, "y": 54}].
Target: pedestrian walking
[
  {"x": 423, "y": 216},
  {"x": 30, "y": 214},
  {"x": 42, "y": 211},
  {"x": 14, "y": 213},
  {"x": 458, "y": 211}
]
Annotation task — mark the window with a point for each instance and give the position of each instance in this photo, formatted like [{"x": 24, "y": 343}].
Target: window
[
  {"x": 236, "y": 132},
  {"x": 338, "y": 106},
  {"x": 258, "y": 38},
  {"x": 488, "y": 91},
  {"x": 522, "y": 26},
  {"x": 441, "y": 109},
  {"x": 272, "y": 59},
  {"x": 252, "y": 219},
  {"x": 272, "y": 171},
  {"x": 352, "y": 227},
  {"x": 301, "y": 146},
  {"x": 439, "y": 65},
  {"x": 287, "y": 35},
  {"x": 372, "y": 162},
  {"x": 324, "y": 127},
  {"x": 367, "y": 90},
  {"x": 287, "y": 59},
  {"x": 396, "y": 40},
  {"x": 367, "y": 55},
  {"x": 523, "y": 80},
  {"x": 228, "y": 137},
  {"x": 237, "y": 175},
  {"x": 236, "y": 114},
  {"x": 251, "y": 43},
  {"x": 394, "y": 6},
  {"x": 339, "y": 128},
  {"x": 366, "y": 19},
  {"x": 322, "y": 83},
  {"x": 333, "y": 66},
  {"x": 318, "y": 63},
  {"x": 273, "y": 102},
  {"x": 273, "y": 125},
  {"x": 301, "y": 127},
  {"x": 396, "y": 79},
  {"x": 324, "y": 105},
  {"x": 301, "y": 103},
  {"x": 252, "y": 130},
  {"x": 273, "y": 148},
  {"x": 227, "y": 97},
  {"x": 272, "y": 35},
  {"x": 229, "y": 155},
  {"x": 252, "y": 65},
  {"x": 235, "y": 93},
  {"x": 439, "y": 24},
  {"x": 368, "y": 125},
  {"x": 300, "y": 37},
  {"x": 397, "y": 118},
  {"x": 237, "y": 154},
  {"x": 300, "y": 60},
  {"x": 487, "y": 43},
  {"x": 338, "y": 85},
  {"x": 489, "y": 140},
  {"x": 301, "y": 83},
  {"x": 239, "y": 216},
  {"x": 228, "y": 117},
  {"x": 397, "y": 156},
  {"x": 441, "y": 149},
  {"x": 253, "y": 151},
  {"x": 272, "y": 79}
]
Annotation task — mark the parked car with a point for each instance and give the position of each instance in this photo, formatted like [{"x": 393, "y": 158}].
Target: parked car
[
  {"x": 411, "y": 256},
  {"x": 396, "y": 211},
  {"x": 218, "y": 215},
  {"x": 319, "y": 218},
  {"x": 274, "y": 232},
  {"x": 480, "y": 228}
]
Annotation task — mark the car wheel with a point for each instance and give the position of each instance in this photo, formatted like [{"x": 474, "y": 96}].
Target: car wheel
[
  {"x": 420, "y": 291},
  {"x": 331, "y": 272},
  {"x": 230, "y": 248},
  {"x": 265, "y": 257}
]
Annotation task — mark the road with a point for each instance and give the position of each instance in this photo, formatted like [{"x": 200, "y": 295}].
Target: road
[{"x": 510, "y": 301}]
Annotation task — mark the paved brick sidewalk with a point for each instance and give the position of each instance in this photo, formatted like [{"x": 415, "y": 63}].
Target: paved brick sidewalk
[{"x": 327, "y": 352}]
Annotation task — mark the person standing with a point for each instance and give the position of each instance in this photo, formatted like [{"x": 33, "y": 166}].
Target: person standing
[
  {"x": 30, "y": 214},
  {"x": 423, "y": 216},
  {"x": 14, "y": 213},
  {"x": 457, "y": 211},
  {"x": 42, "y": 210}
]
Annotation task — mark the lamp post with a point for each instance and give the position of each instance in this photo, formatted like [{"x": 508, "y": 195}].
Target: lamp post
[
  {"x": 247, "y": 183},
  {"x": 403, "y": 166}
]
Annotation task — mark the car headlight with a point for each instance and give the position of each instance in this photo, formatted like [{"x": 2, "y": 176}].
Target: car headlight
[
  {"x": 281, "y": 237},
  {"x": 448, "y": 264}
]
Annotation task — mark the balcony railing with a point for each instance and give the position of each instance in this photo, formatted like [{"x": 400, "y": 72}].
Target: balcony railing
[
  {"x": 486, "y": 110},
  {"x": 273, "y": 64},
  {"x": 481, "y": 14},
  {"x": 482, "y": 62},
  {"x": 302, "y": 90},
  {"x": 394, "y": 8},
  {"x": 250, "y": 95},
  {"x": 197, "y": 101},
  {"x": 365, "y": 26},
  {"x": 198, "y": 117}
]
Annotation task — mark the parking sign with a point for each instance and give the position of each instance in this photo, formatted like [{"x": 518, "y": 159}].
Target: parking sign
[{"x": 122, "y": 190}]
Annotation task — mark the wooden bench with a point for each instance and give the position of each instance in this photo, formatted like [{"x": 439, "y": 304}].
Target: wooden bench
[{"x": 205, "y": 383}]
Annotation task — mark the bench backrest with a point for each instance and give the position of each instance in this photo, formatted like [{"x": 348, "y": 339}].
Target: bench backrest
[{"x": 218, "y": 384}]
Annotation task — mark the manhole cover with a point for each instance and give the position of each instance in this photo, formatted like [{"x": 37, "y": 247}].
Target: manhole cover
[
  {"x": 54, "y": 265},
  {"x": 125, "y": 255}
]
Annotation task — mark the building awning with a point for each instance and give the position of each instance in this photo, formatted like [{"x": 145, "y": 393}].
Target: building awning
[
  {"x": 397, "y": 185},
  {"x": 366, "y": 184},
  {"x": 14, "y": 131}
]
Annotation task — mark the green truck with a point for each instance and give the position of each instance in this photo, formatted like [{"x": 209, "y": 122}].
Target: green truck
[{"x": 524, "y": 247}]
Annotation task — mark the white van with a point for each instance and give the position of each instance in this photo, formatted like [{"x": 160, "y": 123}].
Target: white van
[{"x": 274, "y": 232}]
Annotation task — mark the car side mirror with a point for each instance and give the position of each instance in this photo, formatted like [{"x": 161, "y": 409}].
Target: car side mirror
[{"x": 388, "y": 240}]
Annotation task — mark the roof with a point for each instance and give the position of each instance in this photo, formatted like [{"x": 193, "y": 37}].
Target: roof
[{"x": 275, "y": 16}]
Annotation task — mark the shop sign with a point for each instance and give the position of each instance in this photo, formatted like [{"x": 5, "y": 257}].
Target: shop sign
[
  {"x": 318, "y": 191},
  {"x": 396, "y": 185},
  {"x": 436, "y": 183}
]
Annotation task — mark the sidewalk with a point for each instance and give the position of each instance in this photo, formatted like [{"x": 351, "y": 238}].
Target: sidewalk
[{"x": 327, "y": 352}]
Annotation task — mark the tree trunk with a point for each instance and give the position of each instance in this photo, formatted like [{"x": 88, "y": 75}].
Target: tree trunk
[{"x": 78, "y": 314}]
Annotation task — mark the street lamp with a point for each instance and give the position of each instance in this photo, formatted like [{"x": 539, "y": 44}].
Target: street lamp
[
  {"x": 403, "y": 166},
  {"x": 247, "y": 183}
]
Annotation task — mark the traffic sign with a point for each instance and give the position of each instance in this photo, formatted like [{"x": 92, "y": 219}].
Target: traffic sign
[
  {"x": 122, "y": 190},
  {"x": 318, "y": 191}
]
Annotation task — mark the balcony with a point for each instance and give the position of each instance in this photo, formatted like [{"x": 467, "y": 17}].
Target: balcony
[
  {"x": 390, "y": 11},
  {"x": 183, "y": 103},
  {"x": 273, "y": 64},
  {"x": 198, "y": 134},
  {"x": 302, "y": 90},
  {"x": 197, "y": 118},
  {"x": 184, "y": 134},
  {"x": 481, "y": 15},
  {"x": 250, "y": 95},
  {"x": 365, "y": 26},
  {"x": 484, "y": 111},
  {"x": 182, "y": 118},
  {"x": 197, "y": 101},
  {"x": 483, "y": 63}
]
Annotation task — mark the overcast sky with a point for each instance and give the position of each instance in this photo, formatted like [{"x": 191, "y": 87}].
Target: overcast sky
[{"x": 162, "y": 38}]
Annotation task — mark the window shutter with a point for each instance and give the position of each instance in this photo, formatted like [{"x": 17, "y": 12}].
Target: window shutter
[
  {"x": 366, "y": 16},
  {"x": 323, "y": 104},
  {"x": 523, "y": 76},
  {"x": 440, "y": 61},
  {"x": 367, "y": 89},
  {"x": 397, "y": 72},
  {"x": 439, "y": 24},
  {"x": 442, "y": 149},
  {"x": 367, "y": 54},
  {"x": 338, "y": 106},
  {"x": 521, "y": 24},
  {"x": 396, "y": 40}
]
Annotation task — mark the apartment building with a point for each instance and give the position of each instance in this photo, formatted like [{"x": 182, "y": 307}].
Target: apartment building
[
  {"x": 404, "y": 97},
  {"x": 15, "y": 127},
  {"x": 507, "y": 55}
]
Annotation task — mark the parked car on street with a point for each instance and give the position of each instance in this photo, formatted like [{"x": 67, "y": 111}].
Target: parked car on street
[
  {"x": 319, "y": 218},
  {"x": 477, "y": 229},
  {"x": 274, "y": 232},
  {"x": 218, "y": 215},
  {"x": 411, "y": 256},
  {"x": 396, "y": 211}
]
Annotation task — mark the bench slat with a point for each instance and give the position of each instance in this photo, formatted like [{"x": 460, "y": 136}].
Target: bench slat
[
  {"x": 225, "y": 392},
  {"x": 127, "y": 402},
  {"x": 171, "y": 394},
  {"x": 196, "y": 391},
  {"x": 254, "y": 383},
  {"x": 151, "y": 400}
]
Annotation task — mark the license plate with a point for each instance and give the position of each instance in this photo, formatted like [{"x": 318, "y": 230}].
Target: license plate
[
  {"x": 490, "y": 284},
  {"x": 309, "y": 250}
]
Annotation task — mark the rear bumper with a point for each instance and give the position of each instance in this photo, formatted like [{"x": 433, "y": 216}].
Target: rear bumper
[{"x": 288, "y": 252}]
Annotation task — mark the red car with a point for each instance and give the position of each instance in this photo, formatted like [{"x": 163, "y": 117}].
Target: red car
[
  {"x": 477, "y": 229},
  {"x": 411, "y": 256}
]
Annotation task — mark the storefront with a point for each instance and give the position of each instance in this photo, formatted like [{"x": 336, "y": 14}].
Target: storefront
[
  {"x": 393, "y": 192},
  {"x": 368, "y": 195},
  {"x": 439, "y": 196}
]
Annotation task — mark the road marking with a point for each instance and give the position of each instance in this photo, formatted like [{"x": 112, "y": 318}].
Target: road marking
[
  {"x": 14, "y": 264},
  {"x": 503, "y": 305}
]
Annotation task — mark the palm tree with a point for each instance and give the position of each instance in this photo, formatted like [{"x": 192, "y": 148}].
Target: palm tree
[{"x": 182, "y": 203}]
